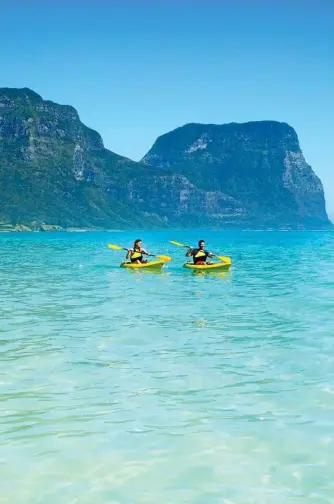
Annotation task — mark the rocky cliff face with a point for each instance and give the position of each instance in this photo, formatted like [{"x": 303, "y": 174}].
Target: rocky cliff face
[
  {"x": 252, "y": 174},
  {"x": 56, "y": 171}
]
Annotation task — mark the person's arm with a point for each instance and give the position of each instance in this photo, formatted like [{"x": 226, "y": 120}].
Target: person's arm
[
  {"x": 190, "y": 252},
  {"x": 128, "y": 254},
  {"x": 143, "y": 251},
  {"x": 210, "y": 255}
]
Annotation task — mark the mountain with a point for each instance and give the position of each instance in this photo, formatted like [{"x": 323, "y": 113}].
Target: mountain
[
  {"x": 56, "y": 173},
  {"x": 250, "y": 175}
]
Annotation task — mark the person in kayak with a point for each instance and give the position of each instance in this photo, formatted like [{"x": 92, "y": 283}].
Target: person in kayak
[
  {"x": 199, "y": 254},
  {"x": 136, "y": 253}
]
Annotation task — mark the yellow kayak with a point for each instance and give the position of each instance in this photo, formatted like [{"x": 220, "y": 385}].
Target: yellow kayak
[
  {"x": 151, "y": 264},
  {"x": 209, "y": 267}
]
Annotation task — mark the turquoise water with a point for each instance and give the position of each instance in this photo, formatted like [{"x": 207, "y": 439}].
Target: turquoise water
[{"x": 172, "y": 388}]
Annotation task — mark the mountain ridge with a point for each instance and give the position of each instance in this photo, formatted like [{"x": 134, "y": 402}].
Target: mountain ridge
[
  {"x": 262, "y": 155},
  {"x": 55, "y": 173}
]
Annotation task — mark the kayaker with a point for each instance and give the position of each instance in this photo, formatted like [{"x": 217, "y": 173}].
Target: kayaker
[
  {"x": 199, "y": 254},
  {"x": 136, "y": 253}
]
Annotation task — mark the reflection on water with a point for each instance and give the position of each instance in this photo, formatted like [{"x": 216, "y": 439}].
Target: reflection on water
[
  {"x": 217, "y": 274},
  {"x": 150, "y": 271},
  {"x": 167, "y": 386}
]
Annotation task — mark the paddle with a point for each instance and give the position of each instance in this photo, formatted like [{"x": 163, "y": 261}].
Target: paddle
[
  {"x": 224, "y": 259},
  {"x": 163, "y": 258}
]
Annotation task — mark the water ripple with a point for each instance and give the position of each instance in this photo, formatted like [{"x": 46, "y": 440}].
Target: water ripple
[{"x": 119, "y": 387}]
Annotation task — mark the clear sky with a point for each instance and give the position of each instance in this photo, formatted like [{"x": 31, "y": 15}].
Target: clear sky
[{"x": 135, "y": 69}]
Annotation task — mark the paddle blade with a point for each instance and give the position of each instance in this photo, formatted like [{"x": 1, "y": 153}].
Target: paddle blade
[
  {"x": 225, "y": 259},
  {"x": 114, "y": 247},
  {"x": 164, "y": 258},
  {"x": 177, "y": 243}
]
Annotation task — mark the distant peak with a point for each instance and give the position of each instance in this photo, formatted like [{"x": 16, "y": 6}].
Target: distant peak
[
  {"x": 20, "y": 93},
  {"x": 249, "y": 124}
]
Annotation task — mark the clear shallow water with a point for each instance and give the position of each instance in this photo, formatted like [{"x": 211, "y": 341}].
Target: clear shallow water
[{"x": 119, "y": 387}]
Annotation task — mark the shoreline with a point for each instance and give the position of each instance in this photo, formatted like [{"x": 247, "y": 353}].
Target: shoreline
[{"x": 99, "y": 230}]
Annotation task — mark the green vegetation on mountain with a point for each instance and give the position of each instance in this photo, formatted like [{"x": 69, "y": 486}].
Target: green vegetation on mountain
[{"x": 55, "y": 173}]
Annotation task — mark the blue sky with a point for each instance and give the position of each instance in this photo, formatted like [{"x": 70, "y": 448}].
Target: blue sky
[{"x": 135, "y": 69}]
